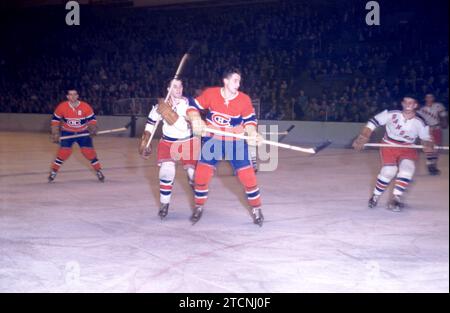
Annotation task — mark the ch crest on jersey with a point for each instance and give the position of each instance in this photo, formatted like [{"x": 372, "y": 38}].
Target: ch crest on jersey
[
  {"x": 74, "y": 122},
  {"x": 221, "y": 120}
]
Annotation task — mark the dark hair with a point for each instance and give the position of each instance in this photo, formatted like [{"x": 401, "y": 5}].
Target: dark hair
[
  {"x": 72, "y": 89},
  {"x": 412, "y": 96},
  {"x": 230, "y": 71},
  {"x": 172, "y": 79}
]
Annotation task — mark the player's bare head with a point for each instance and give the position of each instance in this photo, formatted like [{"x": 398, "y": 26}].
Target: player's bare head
[
  {"x": 232, "y": 79},
  {"x": 177, "y": 87},
  {"x": 409, "y": 104},
  {"x": 72, "y": 95},
  {"x": 429, "y": 98}
]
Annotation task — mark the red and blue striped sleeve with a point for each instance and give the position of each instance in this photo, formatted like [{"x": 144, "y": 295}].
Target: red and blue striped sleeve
[
  {"x": 58, "y": 115},
  {"x": 248, "y": 112}
]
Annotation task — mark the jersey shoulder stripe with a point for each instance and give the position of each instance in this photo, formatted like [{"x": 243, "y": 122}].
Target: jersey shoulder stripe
[
  {"x": 421, "y": 119},
  {"x": 374, "y": 121}
]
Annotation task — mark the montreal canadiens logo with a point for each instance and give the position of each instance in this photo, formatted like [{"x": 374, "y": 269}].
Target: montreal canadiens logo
[
  {"x": 220, "y": 119},
  {"x": 74, "y": 122}
]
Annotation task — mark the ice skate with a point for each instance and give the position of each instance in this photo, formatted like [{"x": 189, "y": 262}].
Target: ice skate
[
  {"x": 100, "y": 176},
  {"x": 433, "y": 170},
  {"x": 373, "y": 201},
  {"x": 396, "y": 205},
  {"x": 258, "y": 217},
  {"x": 196, "y": 214},
  {"x": 52, "y": 176},
  {"x": 163, "y": 210}
]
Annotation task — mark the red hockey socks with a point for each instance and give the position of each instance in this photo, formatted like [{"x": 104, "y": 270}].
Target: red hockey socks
[
  {"x": 89, "y": 153},
  {"x": 248, "y": 180},
  {"x": 203, "y": 175},
  {"x": 63, "y": 154}
]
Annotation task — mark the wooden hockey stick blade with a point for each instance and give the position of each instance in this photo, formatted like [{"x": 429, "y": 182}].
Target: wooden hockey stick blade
[
  {"x": 287, "y": 130},
  {"x": 322, "y": 146}
]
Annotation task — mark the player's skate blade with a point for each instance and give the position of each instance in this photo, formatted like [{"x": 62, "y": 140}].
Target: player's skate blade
[
  {"x": 258, "y": 217},
  {"x": 373, "y": 201},
  {"x": 196, "y": 215},
  {"x": 100, "y": 176},
  {"x": 52, "y": 176},
  {"x": 396, "y": 205},
  {"x": 433, "y": 170},
  {"x": 163, "y": 210}
]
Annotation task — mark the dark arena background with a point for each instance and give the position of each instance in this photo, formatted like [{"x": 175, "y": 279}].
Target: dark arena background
[{"x": 316, "y": 71}]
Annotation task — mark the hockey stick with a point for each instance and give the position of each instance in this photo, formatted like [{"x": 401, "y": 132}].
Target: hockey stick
[
  {"x": 322, "y": 145},
  {"x": 275, "y": 133},
  {"x": 387, "y": 145},
  {"x": 287, "y": 132},
  {"x": 282, "y": 134},
  {"x": 177, "y": 75},
  {"x": 267, "y": 142},
  {"x": 98, "y": 133}
]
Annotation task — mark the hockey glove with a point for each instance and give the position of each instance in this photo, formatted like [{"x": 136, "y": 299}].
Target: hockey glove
[
  {"x": 256, "y": 139},
  {"x": 197, "y": 124},
  {"x": 55, "y": 134},
  {"x": 92, "y": 128},
  {"x": 145, "y": 151}
]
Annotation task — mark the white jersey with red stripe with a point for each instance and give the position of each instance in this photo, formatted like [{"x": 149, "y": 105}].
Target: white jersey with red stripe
[
  {"x": 180, "y": 130},
  {"x": 433, "y": 113},
  {"x": 399, "y": 129}
]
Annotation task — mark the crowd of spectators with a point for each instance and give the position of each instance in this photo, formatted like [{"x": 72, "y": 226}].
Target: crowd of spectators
[{"x": 304, "y": 60}]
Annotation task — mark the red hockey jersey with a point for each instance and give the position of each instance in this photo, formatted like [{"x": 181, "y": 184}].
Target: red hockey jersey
[
  {"x": 222, "y": 113},
  {"x": 73, "y": 119}
]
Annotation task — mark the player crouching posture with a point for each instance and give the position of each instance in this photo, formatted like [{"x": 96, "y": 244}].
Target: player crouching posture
[
  {"x": 228, "y": 110},
  {"x": 74, "y": 117},
  {"x": 176, "y": 143},
  {"x": 435, "y": 115},
  {"x": 402, "y": 128}
]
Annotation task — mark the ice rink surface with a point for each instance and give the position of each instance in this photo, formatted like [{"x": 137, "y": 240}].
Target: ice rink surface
[{"x": 79, "y": 235}]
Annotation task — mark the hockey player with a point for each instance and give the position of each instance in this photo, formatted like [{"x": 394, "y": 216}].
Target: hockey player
[
  {"x": 177, "y": 142},
  {"x": 228, "y": 110},
  {"x": 435, "y": 115},
  {"x": 403, "y": 128},
  {"x": 74, "y": 117}
]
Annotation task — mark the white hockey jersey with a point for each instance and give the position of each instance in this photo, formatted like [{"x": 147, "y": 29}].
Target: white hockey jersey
[
  {"x": 180, "y": 130},
  {"x": 432, "y": 114},
  {"x": 399, "y": 129}
]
